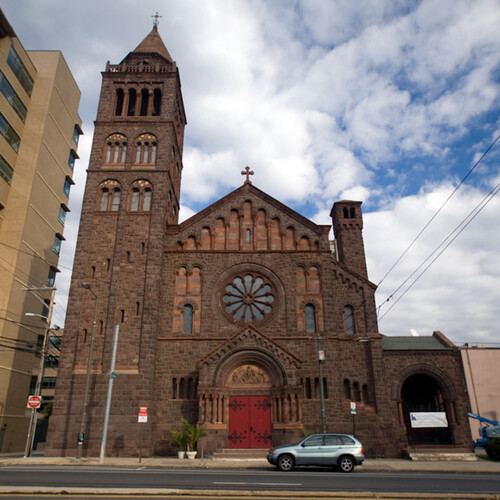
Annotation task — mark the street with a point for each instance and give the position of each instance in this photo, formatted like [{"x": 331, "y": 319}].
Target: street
[{"x": 161, "y": 480}]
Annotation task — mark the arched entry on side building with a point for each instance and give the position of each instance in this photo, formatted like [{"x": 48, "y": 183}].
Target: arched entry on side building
[{"x": 426, "y": 395}]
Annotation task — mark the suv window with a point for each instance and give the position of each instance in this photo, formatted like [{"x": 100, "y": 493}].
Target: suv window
[
  {"x": 314, "y": 441},
  {"x": 347, "y": 440},
  {"x": 333, "y": 440}
]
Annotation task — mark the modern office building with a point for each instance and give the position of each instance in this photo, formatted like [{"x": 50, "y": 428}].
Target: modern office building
[{"x": 39, "y": 131}]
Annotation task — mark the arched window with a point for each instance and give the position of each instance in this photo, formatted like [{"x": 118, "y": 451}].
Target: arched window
[
  {"x": 103, "y": 205},
  {"x": 355, "y": 391},
  {"x": 132, "y": 99},
  {"x": 146, "y": 148},
  {"x": 146, "y": 202},
  {"x": 116, "y": 149},
  {"x": 119, "y": 102},
  {"x": 349, "y": 319},
  {"x": 134, "y": 202},
  {"x": 187, "y": 319},
  {"x": 144, "y": 102},
  {"x": 347, "y": 389},
  {"x": 115, "y": 203},
  {"x": 310, "y": 312},
  {"x": 156, "y": 102}
]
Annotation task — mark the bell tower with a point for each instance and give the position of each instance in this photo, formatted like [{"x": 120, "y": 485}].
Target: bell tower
[{"x": 131, "y": 194}]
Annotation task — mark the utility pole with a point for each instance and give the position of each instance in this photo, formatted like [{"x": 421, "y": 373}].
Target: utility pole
[
  {"x": 321, "y": 359},
  {"x": 112, "y": 376}
]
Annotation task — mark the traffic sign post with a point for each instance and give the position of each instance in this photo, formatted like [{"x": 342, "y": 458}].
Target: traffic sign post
[
  {"x": 142, "y": 419},
  {"x": 353, "y": 413},
  {"x": 34, "y": 402}
]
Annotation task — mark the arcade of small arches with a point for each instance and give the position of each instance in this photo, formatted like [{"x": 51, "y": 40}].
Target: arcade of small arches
[
  {"x": 115, "y": 150},
  {"x": 139, "y": 198},
  {"x": 137, "y": 102}
]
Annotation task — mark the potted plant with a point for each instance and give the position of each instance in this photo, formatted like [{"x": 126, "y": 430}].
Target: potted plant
[
  {"x": 179, "y": 439},
  {"x": 194, "y": 432}
]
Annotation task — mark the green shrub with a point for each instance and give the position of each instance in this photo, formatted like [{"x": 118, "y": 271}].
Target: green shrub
[{"x": 492, "y": 448}]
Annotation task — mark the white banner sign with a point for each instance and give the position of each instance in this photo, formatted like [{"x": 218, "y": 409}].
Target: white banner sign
[{"x": 428, "y": 419}]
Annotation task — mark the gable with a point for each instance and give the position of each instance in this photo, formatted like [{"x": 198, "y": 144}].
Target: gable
[{"x": 248, "y": 220}]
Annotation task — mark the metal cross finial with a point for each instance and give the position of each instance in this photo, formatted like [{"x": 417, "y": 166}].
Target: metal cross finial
[
  {"x": 157, "y": 17},
  {"x": 248, "y": 173}
]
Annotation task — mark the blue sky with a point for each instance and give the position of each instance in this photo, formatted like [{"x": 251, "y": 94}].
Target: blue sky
[{"x": 388, "y": 102}]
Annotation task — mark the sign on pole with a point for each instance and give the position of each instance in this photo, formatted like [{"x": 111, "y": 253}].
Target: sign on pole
[
  {"x": 353, "y": 407},
  {"x": 34, "y": 402},
  {"x": 143, "y": 415}
]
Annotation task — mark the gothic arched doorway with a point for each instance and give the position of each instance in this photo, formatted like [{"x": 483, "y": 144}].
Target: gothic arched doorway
[
  {"x": 421, "y": 394},
  {"x": 249, "y": 407}
]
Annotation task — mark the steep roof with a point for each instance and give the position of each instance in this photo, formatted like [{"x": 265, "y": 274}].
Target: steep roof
[{"x": 153, "y": 44}]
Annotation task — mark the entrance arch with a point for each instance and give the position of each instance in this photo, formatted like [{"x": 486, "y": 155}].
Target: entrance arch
[{"x": 421, "y": 392}]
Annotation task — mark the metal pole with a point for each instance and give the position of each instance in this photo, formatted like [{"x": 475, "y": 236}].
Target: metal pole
[
  {"x": 321, "y": 358},
  {"x": 38, "y": 387},
  {"x": 83, "y": 423},
  {"x": 112, "y": 376}
]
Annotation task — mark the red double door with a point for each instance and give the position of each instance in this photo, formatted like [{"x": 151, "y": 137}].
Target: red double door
[{"x": 249, "y": 422}]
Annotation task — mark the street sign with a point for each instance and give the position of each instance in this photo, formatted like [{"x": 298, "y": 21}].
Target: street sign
[
  {"x": 143, "y": 415},
  {"x": 353, "y": 407},
  {"x": 34, "y": 402},
  {"x": 321, "y": 355}
]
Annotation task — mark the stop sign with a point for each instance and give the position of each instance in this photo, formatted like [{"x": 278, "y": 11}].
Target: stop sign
[{"x": 34, "y": 402}]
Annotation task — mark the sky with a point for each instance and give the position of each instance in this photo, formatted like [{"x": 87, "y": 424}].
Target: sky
[{"x": 392, "y": 103}]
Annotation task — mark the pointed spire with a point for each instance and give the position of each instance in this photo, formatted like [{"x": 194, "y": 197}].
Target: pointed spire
[{"x": 154, "y": 43}]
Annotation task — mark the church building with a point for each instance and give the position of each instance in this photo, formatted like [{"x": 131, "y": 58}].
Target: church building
[{"x": 244, "y": 318}]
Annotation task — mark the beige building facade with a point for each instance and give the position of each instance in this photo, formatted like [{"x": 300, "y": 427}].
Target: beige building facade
[{"x": 39, "y": 131}]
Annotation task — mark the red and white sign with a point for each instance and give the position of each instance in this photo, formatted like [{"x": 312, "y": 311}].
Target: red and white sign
[
  {"x": 143, "y": 415},
  {"x": 34, "y": 402}
]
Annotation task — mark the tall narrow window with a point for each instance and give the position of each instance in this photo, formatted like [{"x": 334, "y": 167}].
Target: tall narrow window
[
  {"x": 144, "y": 102},
  {"x": 119, "y": 102},
  {"x": 187, "y": 319},
  {"x": 349, "y": 319},
  {"x": 19, "y": 69},
  {"x": 310, "y": 318},
  {"x": 132, "y": 98},
  {"x": 103, "y": 206},
  {"x": 9, "y": 134},
  {"x": 355, "y": 391},
  {"x": 347, "y": 389},
  {"x": 115, "y": 205},
  {"x": 156, "y": 102},
  {"x": 6, "y": 171},
  {"x": 62, "y": 214},
  {"x": 71, "y": 159},
  {"x": 67, "y": 185},
  {"x": 134, "y": 201},
  {"x": 56, "y": 247},
  {"x": 146, "y": 203},
  {"x": 52, "y": 276}
]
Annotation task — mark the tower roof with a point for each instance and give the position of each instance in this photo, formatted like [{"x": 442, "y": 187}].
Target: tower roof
[{"x": 154, "y": 44}]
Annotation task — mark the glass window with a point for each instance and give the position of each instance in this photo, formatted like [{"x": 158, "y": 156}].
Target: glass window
[
  {"x": 56, "y": 247},
  {"x": 49, "y": 382},
  {"x": 310, "y": 318},
  {"x": 19, "y": 69},
  {"x": 9, "y": 134},
  {"x": 115, "y": 204},
  {"x": 103, "y": 207},
  {"x": 134, "y": 202},
  {"x": 11, "y": 96},
  {"x": 332, "y": 440},
  {"x": 55, "y": 342},
  {"x": 52, "y": 276},
  {"x": 51, "y": 361},
  {"x": 349, "y": 319},
  {"x": 76, "y": 134},
  {"x": 187, "y": 319},
  {"x": 67, "y": 186},
  {"x": 62, "y": 214},
  {"x": 71, "y": 160},
  {"x": 6, "y": 170},
  {"x": 146, "y": 204},
  {"x": 316, "y": 440}
]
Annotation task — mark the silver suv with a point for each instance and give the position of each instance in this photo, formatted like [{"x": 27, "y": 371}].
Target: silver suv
[{"x": 343, "y": 451}]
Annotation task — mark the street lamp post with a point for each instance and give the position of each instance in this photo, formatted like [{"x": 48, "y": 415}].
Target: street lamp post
[{"x": 83, "y": 423}]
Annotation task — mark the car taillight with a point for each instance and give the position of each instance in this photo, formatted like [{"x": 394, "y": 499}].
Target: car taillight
[{"x": 361, "y": 451}]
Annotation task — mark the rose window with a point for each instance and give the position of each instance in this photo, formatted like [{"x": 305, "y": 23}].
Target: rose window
[{"x": 248, "y": 298}]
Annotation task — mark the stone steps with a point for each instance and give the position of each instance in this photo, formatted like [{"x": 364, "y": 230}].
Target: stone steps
[{"x": 437, "y": 453}]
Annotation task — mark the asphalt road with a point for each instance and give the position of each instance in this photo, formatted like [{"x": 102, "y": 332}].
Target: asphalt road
[{"x": 305, "y": 480}]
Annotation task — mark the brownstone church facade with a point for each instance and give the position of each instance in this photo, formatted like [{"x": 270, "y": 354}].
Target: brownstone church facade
[{"x": 244, "y": 318}]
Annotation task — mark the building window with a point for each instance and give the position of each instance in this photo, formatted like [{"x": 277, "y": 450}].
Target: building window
[
  {"x": 9, "y": 134},
  {"x": 51, "y": 361},
  {"x": 347, "y": 389},
  {"x": 146, "y": 149},
  {"x": 12, "y": 97},
  {"x": 349, "y": 319},
  {"x": 52, "y": 276},
  {"x": 144, "y": 102},
  {"x": 310, "y": 318},
  {"x": 71, "y": 159},
  {"x": 115, "y": 203},
  {"x": 62, "y": 213},
  {"x": 67, "y": 185},
  {"x": 49, "y": 382},
  {"x": 6, "y": 170},
  {"x": 132, "y": 98},
  {"x": 103, "y": 205},
  {"x": 76, "y": 134},
  {"x": 116, "y": 149},
  {"x": 134, "y": 201},
  {"x": 187, "y": 319},
  {"x": 56, "y": 247},
  {"x": 19, "y": 69},
  {"x": 119, "y": 102},
  {"x": 140, "y": 197},
  {"x": 156, "y": 102},
  {"x": 55, "y": 342},
  {"x": 146, "y": 203}
]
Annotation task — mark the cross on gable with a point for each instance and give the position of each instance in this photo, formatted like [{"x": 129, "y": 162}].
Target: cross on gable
[
  {"x": 248, "y": 173},
  {"x": 157, "y": 17}
]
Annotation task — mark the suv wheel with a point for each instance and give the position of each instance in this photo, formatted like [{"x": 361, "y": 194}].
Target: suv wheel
[
  {"x": 285, "y": 463},
  {"x": 345, "y": 463}
]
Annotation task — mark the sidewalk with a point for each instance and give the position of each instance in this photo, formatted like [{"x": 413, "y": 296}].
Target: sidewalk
[{"x": 369, "y": 465}]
